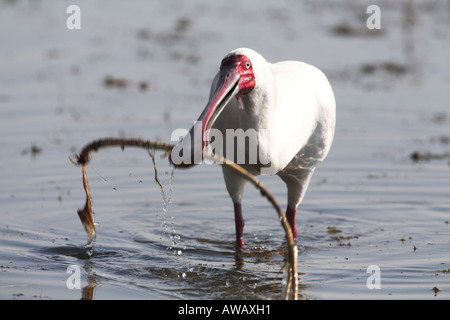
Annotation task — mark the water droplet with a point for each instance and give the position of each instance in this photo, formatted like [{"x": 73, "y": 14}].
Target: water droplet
[{"x": 177, "y": 252}]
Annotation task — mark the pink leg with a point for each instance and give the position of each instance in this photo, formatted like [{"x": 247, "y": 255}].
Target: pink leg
[
  {"x": 239, "y": 221},
  {"x": 290, "y": 216}
]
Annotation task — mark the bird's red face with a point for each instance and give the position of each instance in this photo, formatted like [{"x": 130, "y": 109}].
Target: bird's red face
[
  {"x": 236, "y": 78},
  {"x": 242, "y": 66}
]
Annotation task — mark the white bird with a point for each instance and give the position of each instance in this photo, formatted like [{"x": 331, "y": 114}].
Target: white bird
[{"x": 287, "y": 108}]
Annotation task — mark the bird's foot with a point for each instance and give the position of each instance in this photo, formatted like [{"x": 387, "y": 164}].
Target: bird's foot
[{"x": 240, "y": 243}]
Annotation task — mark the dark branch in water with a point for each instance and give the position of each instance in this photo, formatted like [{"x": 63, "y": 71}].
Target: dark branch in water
[
  {"x": 83, "y": 157},
  {"x": 86, "y": 215},
  {"x": 417, "y": 156}
]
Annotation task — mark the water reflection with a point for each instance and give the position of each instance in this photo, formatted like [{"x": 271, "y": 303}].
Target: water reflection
[
  {"x": 87, "y": 292},
  {"x": 215, "y": 272}
]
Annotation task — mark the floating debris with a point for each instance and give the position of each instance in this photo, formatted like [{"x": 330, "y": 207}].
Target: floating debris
[
  {"x": 440, "y": 117},
  {"x": 115, "y": 82},
  {"x": 34, "y": 150},
  {"x": 443, "y": 139},
  {"x": 333, "y": 230},
  {"x": 426, "y": 155},
  {"x": 388, "y": 67},
  {"x": 143, "y": 85},
  {"x": 436, "y": 290},
  {"x": 144, "y": 34},
  {"x": 343, "y": 29},
  {"x": 111, "y": 81}
]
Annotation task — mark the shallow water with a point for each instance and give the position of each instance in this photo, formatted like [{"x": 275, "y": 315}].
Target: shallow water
[{"x": 367, "y": 204}]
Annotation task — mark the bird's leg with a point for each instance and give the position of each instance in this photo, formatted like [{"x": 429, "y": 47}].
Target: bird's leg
[
  {"x": 290, "y": 216},
  {"x": 239, "y": 221}
]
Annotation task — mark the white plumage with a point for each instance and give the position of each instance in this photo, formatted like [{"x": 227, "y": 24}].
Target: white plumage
[{"x": 290, "y": 108}]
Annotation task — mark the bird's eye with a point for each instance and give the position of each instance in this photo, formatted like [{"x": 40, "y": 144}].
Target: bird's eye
[{"x": 247, "y": 65}]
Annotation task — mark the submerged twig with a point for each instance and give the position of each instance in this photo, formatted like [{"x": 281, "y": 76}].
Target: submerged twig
[
  {"x": 86, "y": 215},
  {"x": 157, "y": 179},
  {"x": 418, "y": 156}
]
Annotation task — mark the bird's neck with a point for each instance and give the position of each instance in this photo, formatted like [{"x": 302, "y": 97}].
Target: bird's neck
[{"x": 258, "y": 107}]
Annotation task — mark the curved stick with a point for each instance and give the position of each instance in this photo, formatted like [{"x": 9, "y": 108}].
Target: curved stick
[
  {"x": 86, "y": 215},
  {"x": 292, "y": 247},
  {"x": 83, "y": 157}
]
